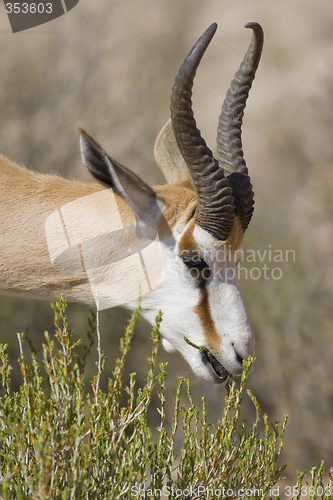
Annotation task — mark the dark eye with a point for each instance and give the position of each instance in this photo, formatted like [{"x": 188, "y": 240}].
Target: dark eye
[{"x": 199, "y": 268}]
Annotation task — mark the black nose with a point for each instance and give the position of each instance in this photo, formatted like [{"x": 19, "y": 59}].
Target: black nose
[{"x": 239, "y": 358}]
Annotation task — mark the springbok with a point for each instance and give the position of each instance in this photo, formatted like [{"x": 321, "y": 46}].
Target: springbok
[{"x": 199, "y": 217}]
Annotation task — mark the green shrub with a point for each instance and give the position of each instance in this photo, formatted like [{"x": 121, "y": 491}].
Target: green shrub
[{"x": 60, "y": 441}]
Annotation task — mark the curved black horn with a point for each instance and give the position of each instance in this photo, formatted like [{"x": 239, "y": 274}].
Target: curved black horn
[
  {"x": 215, "y": 209},
  {"x": 229, "y": 142}
]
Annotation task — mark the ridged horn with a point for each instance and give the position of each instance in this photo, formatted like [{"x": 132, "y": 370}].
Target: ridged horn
[
  {"x": 229, "y": 142},
  {"x": 215, "y": 208}
]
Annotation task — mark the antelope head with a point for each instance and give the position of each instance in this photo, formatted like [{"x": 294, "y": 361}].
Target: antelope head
[{"x": 200, "y": 216}]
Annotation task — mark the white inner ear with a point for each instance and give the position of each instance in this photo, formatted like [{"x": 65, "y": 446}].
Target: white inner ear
[
  {"x": 169, "y": 158},
  {"x": 167, "y": 346}
]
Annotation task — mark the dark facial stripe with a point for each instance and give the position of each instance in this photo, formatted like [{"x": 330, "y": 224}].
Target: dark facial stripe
[
  {"x": 203, "y": 311},
  {"x": 188, "y": 244}
]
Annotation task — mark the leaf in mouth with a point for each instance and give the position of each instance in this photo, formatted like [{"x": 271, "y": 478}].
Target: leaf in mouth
[
  {"x": 200, "y": 348},
  {"x": 216, "y": 365}
]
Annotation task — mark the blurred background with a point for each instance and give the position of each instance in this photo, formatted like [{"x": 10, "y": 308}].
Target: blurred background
[{"x": 109, "y": 66}]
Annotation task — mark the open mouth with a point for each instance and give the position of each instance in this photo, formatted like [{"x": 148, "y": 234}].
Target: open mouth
[
  {"x": 207, "y": 357},
  {"x": 220, "y": 371}
]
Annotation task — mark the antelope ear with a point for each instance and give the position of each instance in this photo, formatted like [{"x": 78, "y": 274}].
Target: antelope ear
[
  {"x": 130, "y": 187},
  {"x": 169, "y": 158}
]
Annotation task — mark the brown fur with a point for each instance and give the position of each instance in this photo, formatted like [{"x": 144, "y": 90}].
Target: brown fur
[
  {"x": 235, "y": 238},
  {"x": 27, "y": 198},
  {"x": 180, "y": 203},
  {"x": 188, "y": 244},
  {"x": 206, "y": 320}
]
